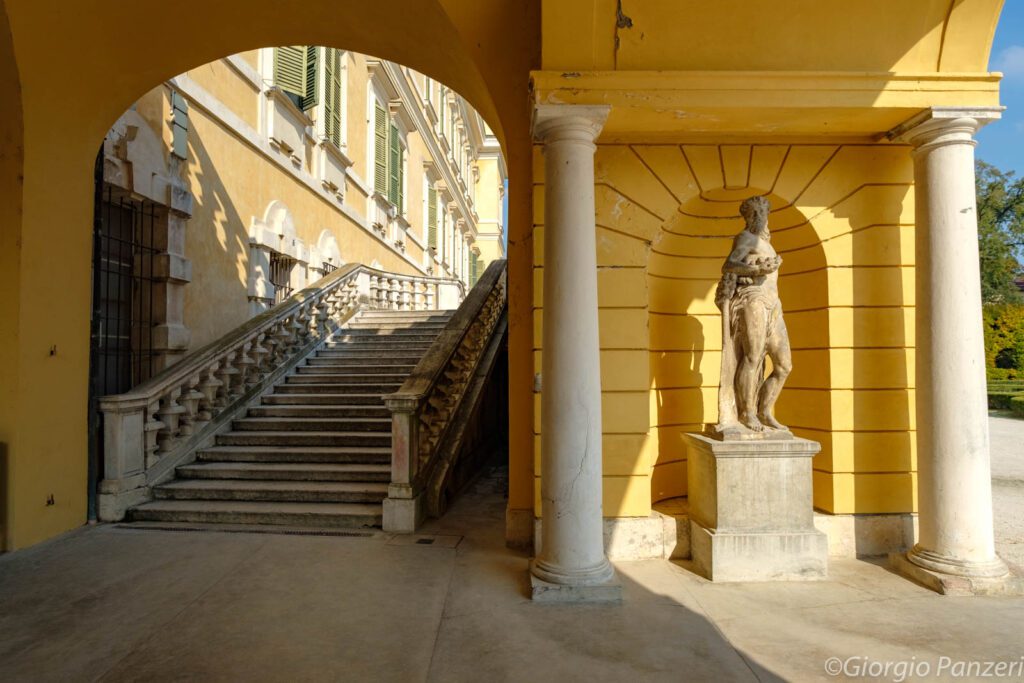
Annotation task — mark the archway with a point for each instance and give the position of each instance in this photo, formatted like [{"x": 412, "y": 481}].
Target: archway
[{"x": 465, "y": 47}]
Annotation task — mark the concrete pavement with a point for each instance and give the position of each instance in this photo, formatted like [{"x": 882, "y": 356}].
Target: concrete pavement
[{"x": 114, "y": 604}]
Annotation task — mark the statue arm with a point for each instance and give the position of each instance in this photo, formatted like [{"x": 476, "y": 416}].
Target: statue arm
[{"x": 741, "y": 249}]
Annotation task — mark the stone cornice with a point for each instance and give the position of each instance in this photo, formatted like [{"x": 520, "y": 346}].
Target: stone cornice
[{"x": 680, "y": 104}]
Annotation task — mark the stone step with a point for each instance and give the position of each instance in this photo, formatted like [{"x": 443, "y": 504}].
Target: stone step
[
  {"x": 312, "y": 424},
  {"x": 343, "y": 358},
  {"x": 333, "y": 515},
  {"x": 295, "y": 438},
  {"x": 377, "y": 388},
  {"x": 310, "y": 398},
  {"x": 375, "y": 333},
  {"x": 304, "y": 455},
  {"x": 422, "y": 328},
  {"x": 321, "y": 410},
  {"x": 272, "y": 491},
  {"x": 349, "y": 378},
  {"x": 405, "y": 315},
  {"x": 364, "y": 341},
  {"x": 287, "y": 471},
  {"x": 356, "y": 368}
]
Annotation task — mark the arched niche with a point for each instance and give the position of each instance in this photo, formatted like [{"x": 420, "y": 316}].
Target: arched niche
[
  {"x": 685, "y": 325},
  {"x": 327, "y": 250}
]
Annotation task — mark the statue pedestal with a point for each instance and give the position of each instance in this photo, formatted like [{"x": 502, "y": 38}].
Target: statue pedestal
[{"x": 751, "y": 510}]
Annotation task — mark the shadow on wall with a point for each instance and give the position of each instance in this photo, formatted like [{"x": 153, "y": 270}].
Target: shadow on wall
[
  {"x": 217, "y": 243},
  {"x": 686, "y": 327}
]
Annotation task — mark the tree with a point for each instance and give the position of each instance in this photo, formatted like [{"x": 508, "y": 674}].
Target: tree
[{"x": 1000, "y": 233}]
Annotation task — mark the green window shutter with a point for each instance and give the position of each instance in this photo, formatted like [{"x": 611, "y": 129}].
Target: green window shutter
[
  {"x": 394, "y": 166},
  {"x": 332, "y": 95},
  {"x": 290, "y": 69},
  {"x": 474, "y": 266},
  {"x": 432, "y": 218},
  {"x": 401, "y": 180},
  {"x": 312, "y": 87},
  {"x": 380, "y": 150}
]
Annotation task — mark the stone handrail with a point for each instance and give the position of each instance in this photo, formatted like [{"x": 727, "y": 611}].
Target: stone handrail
[
  {"x": 422, "y": 410},
  {"x": 156, "y": 426}
]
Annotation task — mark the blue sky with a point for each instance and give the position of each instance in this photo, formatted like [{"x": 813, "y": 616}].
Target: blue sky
[{"x": 1002, "y": 143}]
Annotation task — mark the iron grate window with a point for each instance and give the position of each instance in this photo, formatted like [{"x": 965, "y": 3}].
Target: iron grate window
[
  {"x": 123, "y": 291},
  {"x": 281, "y": 276}
]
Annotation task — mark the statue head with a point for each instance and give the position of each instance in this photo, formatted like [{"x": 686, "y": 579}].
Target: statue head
[{"x": 755, "y": 212}]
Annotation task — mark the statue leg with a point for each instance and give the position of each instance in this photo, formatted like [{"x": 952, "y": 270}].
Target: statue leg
[
  {"x": 782, "y": 365},
  {"x": 749, "y": 368}
]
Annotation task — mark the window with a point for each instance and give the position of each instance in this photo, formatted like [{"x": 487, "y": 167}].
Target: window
[
  {"x": 331, "y": 128},
  {"x": 388, "y": 159},
  {"x": 432, "y": 217},
  {"x": 281, "y": 276},
  {"x": 380, "y": 150},
  {"x": 295, "y": 73},
  {"x": 474, "y": 269}
]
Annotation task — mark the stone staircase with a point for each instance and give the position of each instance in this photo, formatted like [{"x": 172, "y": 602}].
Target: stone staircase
[{"x": 317, "y": 451}]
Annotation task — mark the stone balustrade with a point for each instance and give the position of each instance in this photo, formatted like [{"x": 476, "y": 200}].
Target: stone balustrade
[
  {"x": 158, "y": 425},
  {"x": 424, "y": 411}
]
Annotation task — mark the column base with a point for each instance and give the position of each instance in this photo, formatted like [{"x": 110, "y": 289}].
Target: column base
[
  {"x": 945, "y": 565},
  {"x": 403, "y": 515},
  {"x": 1008, "y": 583},
  {"x": 601, "y": 586}
]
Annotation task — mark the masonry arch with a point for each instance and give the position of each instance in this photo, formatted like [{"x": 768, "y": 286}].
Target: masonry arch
[{"x": 465, "y": 47}]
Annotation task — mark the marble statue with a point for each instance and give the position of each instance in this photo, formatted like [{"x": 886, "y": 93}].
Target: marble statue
[{"x": 752, "y": 329}]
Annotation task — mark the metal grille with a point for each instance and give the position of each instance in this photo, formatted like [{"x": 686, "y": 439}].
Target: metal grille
[
  {"x": 123, "y": 291},
  {"x": 329, "y": 267},
  {"x": 281, "y": 276}
]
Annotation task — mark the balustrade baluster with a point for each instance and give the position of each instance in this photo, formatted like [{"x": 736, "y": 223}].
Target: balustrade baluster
[
  {"x": 260, "y": 354},
  {"x": 226, "y": 373},
  {"x": 190, "y": 397},
  {"x": 209, "y": 385},
  {"x": 151, "y": 428},
  {"x": 169, "y": 412},
  {"x": 245, "y": 363}
]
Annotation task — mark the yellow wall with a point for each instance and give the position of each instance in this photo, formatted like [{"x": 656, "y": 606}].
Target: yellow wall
[
  {"x": 487, "y": 54},
  {"x": 842, "y": 218},
  {"x": 484, "y": 50}
]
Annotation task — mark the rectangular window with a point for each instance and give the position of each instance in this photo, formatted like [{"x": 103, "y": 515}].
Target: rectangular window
[
  {"x": 394, "y": 168},
  {"x": 380, "y": 150},
  {"x": 295, "y": 71},
  {"x": 332, "y": 95},
  {"x": 281, "y": 276},
  {"x": 432, "y": 217}
]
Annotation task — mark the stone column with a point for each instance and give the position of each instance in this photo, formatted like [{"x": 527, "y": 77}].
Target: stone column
[
  {"x": 571, "y": 563},
  {"x": 954, "y": 478}
]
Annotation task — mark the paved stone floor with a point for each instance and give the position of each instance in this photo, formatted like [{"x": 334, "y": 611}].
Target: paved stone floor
[{"x": 113, "y": 604}]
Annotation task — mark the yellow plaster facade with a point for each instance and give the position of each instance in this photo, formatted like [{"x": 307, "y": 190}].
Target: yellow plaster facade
[{"x": 741, "y": 97}]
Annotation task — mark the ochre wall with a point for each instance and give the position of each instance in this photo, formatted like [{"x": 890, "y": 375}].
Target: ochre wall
[
  {"x": 484, "y": 51},
  {"x": 842, "y": 219}
]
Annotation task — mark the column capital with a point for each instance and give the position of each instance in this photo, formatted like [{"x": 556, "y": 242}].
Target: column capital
[
  {"x": 553, "y": 122},
  {"x": 944, "y": 125}
]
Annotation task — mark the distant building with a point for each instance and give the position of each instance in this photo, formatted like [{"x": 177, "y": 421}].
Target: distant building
[{"x": 263, "y": 171}]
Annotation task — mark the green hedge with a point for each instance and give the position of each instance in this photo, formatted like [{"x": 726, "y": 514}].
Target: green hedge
[
  {"x": 1017, "y": 405},
  {"x": 1000, "y": 400}
]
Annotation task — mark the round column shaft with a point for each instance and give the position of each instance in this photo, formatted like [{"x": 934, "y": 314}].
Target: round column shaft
[
  {"x": 572, "y": 542},
  {"x": 954, "y": 475}
]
